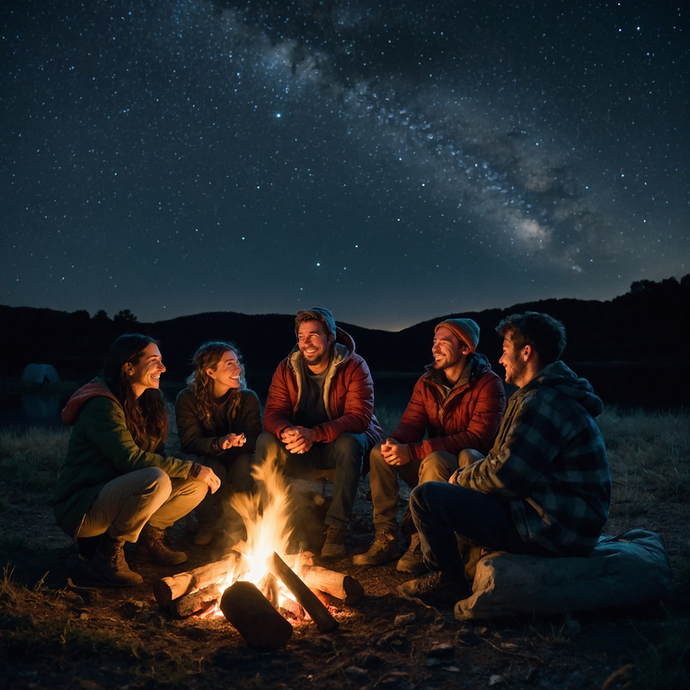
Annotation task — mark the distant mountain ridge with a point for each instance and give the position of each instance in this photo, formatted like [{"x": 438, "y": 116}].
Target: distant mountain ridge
[{"x": 647, "y": 324}]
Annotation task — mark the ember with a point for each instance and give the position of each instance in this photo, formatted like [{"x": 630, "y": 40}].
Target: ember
[{"x": 258, "y": 575}]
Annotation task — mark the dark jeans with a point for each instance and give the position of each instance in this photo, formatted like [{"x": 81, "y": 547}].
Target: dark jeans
[
  {"x": 344, "y": 455},
  {"x": 440, "y": 511},
  {"x": 235, "y": 476}
]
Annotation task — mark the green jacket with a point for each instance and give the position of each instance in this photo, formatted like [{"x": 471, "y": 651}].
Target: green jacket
[
  {"x": 198, "y": 434},
  {"x": 101, "y": 448}
]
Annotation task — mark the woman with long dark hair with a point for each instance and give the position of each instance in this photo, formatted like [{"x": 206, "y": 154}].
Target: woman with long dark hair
[
  {"x": 116, "y": 483},
  {"x": 219, "y": 419}
]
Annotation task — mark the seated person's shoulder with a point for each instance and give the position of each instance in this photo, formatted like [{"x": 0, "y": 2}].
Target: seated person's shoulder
[{"x": 248, "y": 394}]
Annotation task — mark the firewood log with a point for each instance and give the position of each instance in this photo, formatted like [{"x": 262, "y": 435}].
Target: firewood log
[
  {"x": 306, "y": 598},
  {"x": 188, "y": 604},
  {"x": 271, "y": 589},
  {"x": 336, "y": 584},
  {"x": 254, "y": 617},
  {"x": 170, "y": 588}
]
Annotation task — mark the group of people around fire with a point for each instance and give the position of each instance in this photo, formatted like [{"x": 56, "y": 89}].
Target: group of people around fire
[{"x": 529, "y": 478}]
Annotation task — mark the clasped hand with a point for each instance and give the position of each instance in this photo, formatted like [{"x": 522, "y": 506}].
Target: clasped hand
[
  {"x": 298, "y": 439},
  {"x": 395, "y": 454}
]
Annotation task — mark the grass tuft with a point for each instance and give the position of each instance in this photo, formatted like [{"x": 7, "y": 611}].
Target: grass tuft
[{"x": 30, "y": 458}]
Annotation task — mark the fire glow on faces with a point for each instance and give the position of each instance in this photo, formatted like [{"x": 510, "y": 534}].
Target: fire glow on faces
[
  {"x": 513, "y": 362},
  {"x": 146, "y": 373},
  {"x": 227, "y": 373},
  {"x": 314, "y": 344},
  {"x": 447, "y": 349}
]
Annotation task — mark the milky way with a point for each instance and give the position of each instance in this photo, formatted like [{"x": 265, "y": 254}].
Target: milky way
[{"x": 394, "y": 161}]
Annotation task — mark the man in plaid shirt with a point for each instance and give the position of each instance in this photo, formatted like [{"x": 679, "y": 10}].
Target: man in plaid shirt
[{"x": 544, "y": 489}]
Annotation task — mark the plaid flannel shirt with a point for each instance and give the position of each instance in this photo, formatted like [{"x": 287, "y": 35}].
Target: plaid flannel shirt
[{"x": 549, "y": 462}]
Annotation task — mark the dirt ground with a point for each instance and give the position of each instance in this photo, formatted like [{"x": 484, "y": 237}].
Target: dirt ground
[{"x": 70, "y": 633}]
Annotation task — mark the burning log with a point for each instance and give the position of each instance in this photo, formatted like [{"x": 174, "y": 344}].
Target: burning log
[
  {"x": 336, "y": 584},
  {"x": 255, "y": 618},
  {"x": 188, "y": 604},
  {"x": 270, "y": 589},
  {"x": 170, "y": 588},
  {"x": 305, "y": 597}
]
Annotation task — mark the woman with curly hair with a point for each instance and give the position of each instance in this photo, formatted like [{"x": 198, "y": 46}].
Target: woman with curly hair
[
  {"x": 219, "y": 418},
  {"x": 116, "y": 483}
]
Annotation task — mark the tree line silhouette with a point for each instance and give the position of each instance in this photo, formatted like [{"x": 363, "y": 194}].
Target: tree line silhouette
[{"x": 647, "y": 326}]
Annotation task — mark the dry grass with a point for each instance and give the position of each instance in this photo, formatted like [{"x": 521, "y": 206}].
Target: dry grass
[
  {"x": 649, "y": 455},
  {"x": 29, "y": 459}
]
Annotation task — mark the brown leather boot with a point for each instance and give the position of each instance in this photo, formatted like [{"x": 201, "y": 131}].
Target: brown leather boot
[
  {"x": 151, "y": 547},
  {"x": 109, "y": 564}
]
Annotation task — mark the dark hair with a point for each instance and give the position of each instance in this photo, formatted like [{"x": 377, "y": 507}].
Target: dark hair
[
  {"x": 544, "y": 333},
  {"x": 146, "y": 416},
  {"x": 309, "y": 315},
  {"x": 201, "y": 384}
]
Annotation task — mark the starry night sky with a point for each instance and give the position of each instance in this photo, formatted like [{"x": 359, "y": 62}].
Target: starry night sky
[{"x": 395, "y": 161}]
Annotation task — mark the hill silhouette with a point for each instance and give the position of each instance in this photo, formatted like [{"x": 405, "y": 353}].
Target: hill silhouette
[{"x": 646, "y": 326}]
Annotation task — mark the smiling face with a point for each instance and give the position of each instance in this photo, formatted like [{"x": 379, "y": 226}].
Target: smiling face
[
  {"x": 226, "y": 374},
  {"x": 513, "y": 361},
  {"x": 314, "y": 344},
  {"x": 450, "y": 353},
  {"x": 146, "y": 371}
]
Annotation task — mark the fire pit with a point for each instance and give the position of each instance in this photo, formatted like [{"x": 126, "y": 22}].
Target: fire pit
[{"x": 257, "y": 586}]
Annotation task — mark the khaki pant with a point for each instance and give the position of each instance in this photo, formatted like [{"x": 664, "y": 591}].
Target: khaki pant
[
  {"x": 124, "y": 505},
  {"x": 385, "y": 490}
]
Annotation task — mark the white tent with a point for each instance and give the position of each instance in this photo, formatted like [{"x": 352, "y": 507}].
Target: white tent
[{"x": 40, "y": 373}]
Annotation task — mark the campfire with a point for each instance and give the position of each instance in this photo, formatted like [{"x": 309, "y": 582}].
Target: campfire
[{"x": 258, "y": 586}]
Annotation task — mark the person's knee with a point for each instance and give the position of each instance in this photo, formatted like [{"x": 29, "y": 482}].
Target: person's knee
[
  {"x": 157, "y": 481},
  {"x": 348, "y": 449},
  {"x": 468, "y": 457},
  {"x": 437, "y": 467},
  {"x": 376, "y": 461},
  {"x": 425, "y": 496},
  {"x": 267, "y": 446}
]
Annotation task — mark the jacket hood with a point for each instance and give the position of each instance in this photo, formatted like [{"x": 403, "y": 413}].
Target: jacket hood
[
  {"x": 477, "y": 365},
  {"x": 343, "y": 349},
  {"x": 75, "y": 404},
  {"x": 320, "y": 314},
  {"x": 559, "y": 376}
]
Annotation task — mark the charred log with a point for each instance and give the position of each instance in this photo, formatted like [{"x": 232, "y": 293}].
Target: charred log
[
  {"x": 199, "y": 600},
  {"x": 304, "y": 596},
  {"x": 254, "y": 617}
]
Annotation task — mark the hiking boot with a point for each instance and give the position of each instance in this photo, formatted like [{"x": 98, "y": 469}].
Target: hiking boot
[
  {"x": 109, "y": 565},
  {"x": 435, "y": 588},
  {"x": 412, "y": 561},
  {"x": 384, "y": 548},
  {"x": 151, "y": 547},
  {"x": 204, "y": 533},
  {"x": 334, "y": 546}
]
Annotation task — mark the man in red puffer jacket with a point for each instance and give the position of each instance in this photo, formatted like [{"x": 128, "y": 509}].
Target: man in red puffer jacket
[
  {"x": 320, "y": 413},
  {"x": 458, "y": 403}
]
